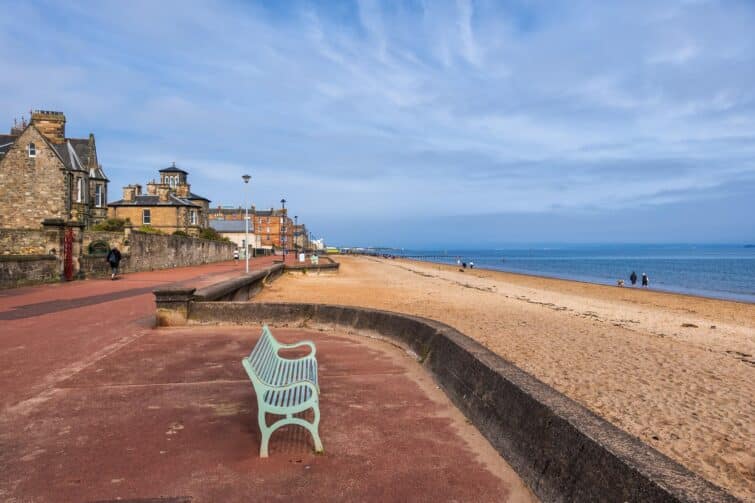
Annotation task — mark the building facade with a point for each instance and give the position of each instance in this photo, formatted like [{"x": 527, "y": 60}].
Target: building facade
[
  {"x": 272, "y": 227},
  {"x": 44, "y": 175},
  {"x": 168, "y": 205},
  {"x": 235, "y": 230}
]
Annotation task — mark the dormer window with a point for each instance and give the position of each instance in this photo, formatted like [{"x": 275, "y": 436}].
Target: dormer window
[{"x": 32, "y": 150}]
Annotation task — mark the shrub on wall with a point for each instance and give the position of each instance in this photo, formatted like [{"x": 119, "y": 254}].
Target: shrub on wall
[
  {"x": 111, "y": 224},
  {"x": 148, "y": 229},
  {"x": 212, "y": 235},
  {"x": 180, "y": 233}
]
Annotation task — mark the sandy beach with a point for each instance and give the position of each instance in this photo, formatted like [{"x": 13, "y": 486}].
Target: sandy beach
[{"x": 676, "y": 371}]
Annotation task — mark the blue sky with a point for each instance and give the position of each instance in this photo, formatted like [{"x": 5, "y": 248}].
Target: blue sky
[{"x": 422, "y": 123}]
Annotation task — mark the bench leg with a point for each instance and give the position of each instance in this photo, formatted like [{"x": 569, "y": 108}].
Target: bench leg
[
  {"x": 267, "y": 431},
  {"x": 314, "y": 429}
]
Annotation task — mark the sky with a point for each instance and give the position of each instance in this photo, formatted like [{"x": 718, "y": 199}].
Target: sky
[{"x": 418, "y": 123}]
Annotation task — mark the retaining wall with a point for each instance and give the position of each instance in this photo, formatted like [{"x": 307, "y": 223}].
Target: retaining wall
[
  {"x": 561, "y": 450},
  {"x": 141, "y": 251},
  {"x": 19, "y": 270},
  {"x": 23, "y": 242}
]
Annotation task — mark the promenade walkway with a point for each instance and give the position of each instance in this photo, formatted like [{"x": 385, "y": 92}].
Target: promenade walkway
[{"x": 96, "y": 404}]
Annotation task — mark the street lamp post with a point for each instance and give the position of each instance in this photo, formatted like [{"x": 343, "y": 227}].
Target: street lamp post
[
  {"x": 283, "y": 228},
  {"x": 246, "y": 227},
  {"x": 296, "y": 234}
]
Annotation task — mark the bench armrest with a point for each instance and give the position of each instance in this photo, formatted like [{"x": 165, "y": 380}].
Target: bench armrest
[{"x": 298, "y": 344}]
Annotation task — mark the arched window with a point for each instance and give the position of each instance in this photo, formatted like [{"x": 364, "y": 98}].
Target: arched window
[{"x": 32, "y": 150}]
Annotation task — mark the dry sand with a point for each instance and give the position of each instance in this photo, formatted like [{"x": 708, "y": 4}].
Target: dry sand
[{"x": 676, "y": 371}]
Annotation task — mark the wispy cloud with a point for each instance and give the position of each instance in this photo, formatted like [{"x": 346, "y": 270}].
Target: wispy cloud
[{"x": 383, "y": 109}]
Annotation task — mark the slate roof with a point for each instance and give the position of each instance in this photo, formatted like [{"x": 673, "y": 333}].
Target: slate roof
[
  {"x": 196, "y": 197},
  {"x": 149, "y": 200},
  {"x": 229, "y": 225},
  {"x": 6, "y": 142},
  {"x": 173, "y": 169},
  {"x": 74, "y": 153}
]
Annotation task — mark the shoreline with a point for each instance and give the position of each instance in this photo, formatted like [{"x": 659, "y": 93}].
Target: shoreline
[
  {"x": 675, "y": 371},
  {"x": 582, "y": 281}
]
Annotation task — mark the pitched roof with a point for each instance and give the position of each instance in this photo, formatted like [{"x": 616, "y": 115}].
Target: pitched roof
[
  {"x": 6, "y": 142},
  {"x": 196, "y": 197},
  {"x": 229, "y": 225},
  {"x": 75, "y": 153},
  {"x": 149, "y": 200}
]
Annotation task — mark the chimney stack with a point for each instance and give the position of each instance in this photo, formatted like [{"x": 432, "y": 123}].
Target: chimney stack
[
  {"x": 163, "y": 191},
  {"x": 128, "y": 193},
  {"x": 51, "y": 124},
  {"x": 152, "y": 188},
  {"x": 182, "y": 190}
]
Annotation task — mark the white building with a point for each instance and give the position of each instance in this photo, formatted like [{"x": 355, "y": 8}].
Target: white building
[{"x": 236, "y": 232}]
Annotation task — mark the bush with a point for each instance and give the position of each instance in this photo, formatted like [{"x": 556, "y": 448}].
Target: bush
[
  {"x": 212, "y": 235},
  {"x": 111, "y": 224},
  {"x": 148, "y": 229},
  {"x": 181, "y": 233}
]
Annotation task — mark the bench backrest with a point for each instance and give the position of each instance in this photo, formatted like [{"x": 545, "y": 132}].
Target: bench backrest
[{"x": 264, "y": 360}]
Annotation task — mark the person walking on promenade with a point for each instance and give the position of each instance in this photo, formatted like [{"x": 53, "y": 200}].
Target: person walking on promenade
[
  {"x": 645, "y": 280},
  {"x": 633, "y": 278},
  {"x": 114, "y": 259}
]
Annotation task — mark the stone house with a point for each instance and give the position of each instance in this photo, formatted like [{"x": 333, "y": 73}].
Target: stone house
[
  {"x": 168, "y": 205},
  {"x": 46, "y": 176}
]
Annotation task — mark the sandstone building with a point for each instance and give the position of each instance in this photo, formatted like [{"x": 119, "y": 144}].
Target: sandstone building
[
  {"x": 168, "y": 205},
  {"x": 269, "y": 226},
  {"x": 44, "y": 175}
]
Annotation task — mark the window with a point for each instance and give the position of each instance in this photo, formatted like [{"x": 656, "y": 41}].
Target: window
[
  {"x": 79, "y": 189},
  {"x": 193, "y": 215},
  {"x": 32, "y": 150},
  {"x": 98, "y": 199},
  {"x": 146, "y": 217}
]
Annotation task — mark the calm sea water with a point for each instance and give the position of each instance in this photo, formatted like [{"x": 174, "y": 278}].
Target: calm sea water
[{"x": 721, "y": 271}]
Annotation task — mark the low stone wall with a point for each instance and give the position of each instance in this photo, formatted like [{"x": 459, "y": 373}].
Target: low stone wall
[
  {"x": 117, "y": 239},
  {"x": 238, "y": 289},
  {"x": 326, "y": 266},
  {"x": 19, "y": 270},
  {"x": 561, "y": 450},
  {"x": 23, "y": 242},
  {"x": 142, "y": 251},
  {"x": 154, "y": 251}
]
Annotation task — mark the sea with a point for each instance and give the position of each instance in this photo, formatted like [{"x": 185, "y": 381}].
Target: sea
[{"x": 718, "y": 271}]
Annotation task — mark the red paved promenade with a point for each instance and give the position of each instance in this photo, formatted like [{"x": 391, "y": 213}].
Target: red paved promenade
[{"x": 95, "y": 404}]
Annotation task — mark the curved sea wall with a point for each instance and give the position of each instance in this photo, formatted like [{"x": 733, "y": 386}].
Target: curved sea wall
[{"x": 561, "y": 450}]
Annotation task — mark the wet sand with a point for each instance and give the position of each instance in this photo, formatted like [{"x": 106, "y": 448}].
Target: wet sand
[{"x": 676, "y": 371}]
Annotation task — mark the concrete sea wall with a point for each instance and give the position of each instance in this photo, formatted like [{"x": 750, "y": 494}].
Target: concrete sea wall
[{"x": 561, "y": 450}]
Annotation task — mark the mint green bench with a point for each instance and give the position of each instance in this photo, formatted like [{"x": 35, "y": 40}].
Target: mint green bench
[{"x": 284, "y": 387}]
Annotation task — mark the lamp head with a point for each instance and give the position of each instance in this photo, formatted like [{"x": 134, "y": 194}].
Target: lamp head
[{"x": 246, "y": 178}]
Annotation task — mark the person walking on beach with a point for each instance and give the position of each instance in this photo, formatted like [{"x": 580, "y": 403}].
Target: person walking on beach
[
  {"x": 645, "y": 280},
  {"x": 114, "y": 259},
  {"x": 633, "y": 278},
  {"x": 471, "y": 264}
]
